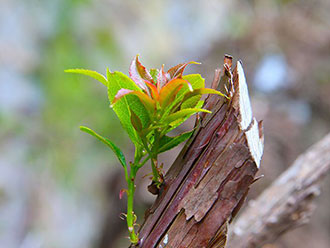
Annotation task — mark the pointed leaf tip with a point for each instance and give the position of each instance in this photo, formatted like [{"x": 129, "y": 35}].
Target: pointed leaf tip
[
  {"x": 121, "y": 193},
  {"x": 118, "y": 80},
  {"x": 183, "y": 114},
  {"x": 177, "y": 71},
  {"x": 167, "y": 143},
  {"x": 99, "y": 77},
  {"x": 161, "y": 78},
  {"x": 139, "y": 73},
  {"x": 120, "y": 94},
  {"x": 136, "y": 122},
  {"x": 107, "y": 142}
]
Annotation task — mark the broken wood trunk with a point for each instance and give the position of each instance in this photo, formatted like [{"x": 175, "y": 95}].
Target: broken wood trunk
[{"x": 208, "y": 182}]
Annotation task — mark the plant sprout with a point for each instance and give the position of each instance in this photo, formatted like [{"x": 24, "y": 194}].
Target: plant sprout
[{"x": 149, "y": 104}]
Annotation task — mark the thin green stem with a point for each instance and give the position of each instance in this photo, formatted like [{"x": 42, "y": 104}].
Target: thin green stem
[
  {"x": 157, "y": 178},
  {"x": 138, "y": 154},
  {"x": 134, "y": 167},
  {"x": 131, "y": 218},
  {"x": 155, "y": 172},
  {"x": 143, "y": 162},
  {"x": 126, "y": 174},
  {"x": 156, "y": 143}
]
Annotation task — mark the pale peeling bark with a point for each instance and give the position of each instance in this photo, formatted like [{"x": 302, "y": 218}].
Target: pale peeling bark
[
  {"x": 287, "y": 203},
  {"x": 210, "y": 178}
]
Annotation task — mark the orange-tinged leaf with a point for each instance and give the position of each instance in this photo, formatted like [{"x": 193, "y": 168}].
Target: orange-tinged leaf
[
  {"x": 144, "y": 98},
  {"x": 169, "y": 91},
  {"x": 153, "y": 90}
]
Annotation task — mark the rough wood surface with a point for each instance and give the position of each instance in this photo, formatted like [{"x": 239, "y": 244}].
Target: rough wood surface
[
  {"x": 211, "y": 177},
  {"x": 287, "y": 203}
]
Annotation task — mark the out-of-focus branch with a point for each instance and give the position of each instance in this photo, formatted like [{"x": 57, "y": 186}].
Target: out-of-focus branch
[{"x": 287, "y": 203}]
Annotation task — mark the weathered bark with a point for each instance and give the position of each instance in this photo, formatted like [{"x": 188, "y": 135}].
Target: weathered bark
[
  {"x": 287, "y": 203},
  {"x": 209, "y": 180}
]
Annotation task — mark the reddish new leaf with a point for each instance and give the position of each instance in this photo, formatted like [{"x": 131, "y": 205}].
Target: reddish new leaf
[
  {"x": 136, "y": 122},
  {"x": 121, "y": 193},
  {"x": 161, "y": 78},
  {"x": 177, "y": 71},
  {"x": 139, "y": 73}
]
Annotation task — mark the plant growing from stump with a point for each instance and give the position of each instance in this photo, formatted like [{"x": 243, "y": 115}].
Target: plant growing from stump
[{"x": 149, "y": 104}]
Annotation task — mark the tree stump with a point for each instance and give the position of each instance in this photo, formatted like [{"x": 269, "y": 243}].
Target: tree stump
[{"x": 209, "y": 180}]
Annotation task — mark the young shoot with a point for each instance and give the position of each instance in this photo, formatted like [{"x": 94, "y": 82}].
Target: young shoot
[{"x": 149, "y": 104}]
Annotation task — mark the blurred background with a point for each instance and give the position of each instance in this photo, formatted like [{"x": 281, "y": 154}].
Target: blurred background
[{"x": 59, "y": 187}]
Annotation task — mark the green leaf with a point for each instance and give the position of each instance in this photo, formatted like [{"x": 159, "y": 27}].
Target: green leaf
[
  {"x": 191, "y": 99},
  {"x": 117, "y": 81},
  {"x": 195, "y": 80},
  {"x": 200, "y": 104},
  {"x": 106, "y": 141},
  {"x": 167, "y": 143},
  {"x": 191, "y": 102},
  {"x": 99, "y": 77},
  {"x": 139, "y": 109},
  {"x": 181, "y": 114},
  {"x": 154, "y": 73},
  {"x": 203, "y": 91}
]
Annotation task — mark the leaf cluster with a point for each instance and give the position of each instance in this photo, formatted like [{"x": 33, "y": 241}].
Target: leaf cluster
[
  {"x": 152, "y": 100},
  {"x": 149, "y": 104}
]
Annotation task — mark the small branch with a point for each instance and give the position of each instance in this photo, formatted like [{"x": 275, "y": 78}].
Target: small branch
[{"x": 287, "y": 203}]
